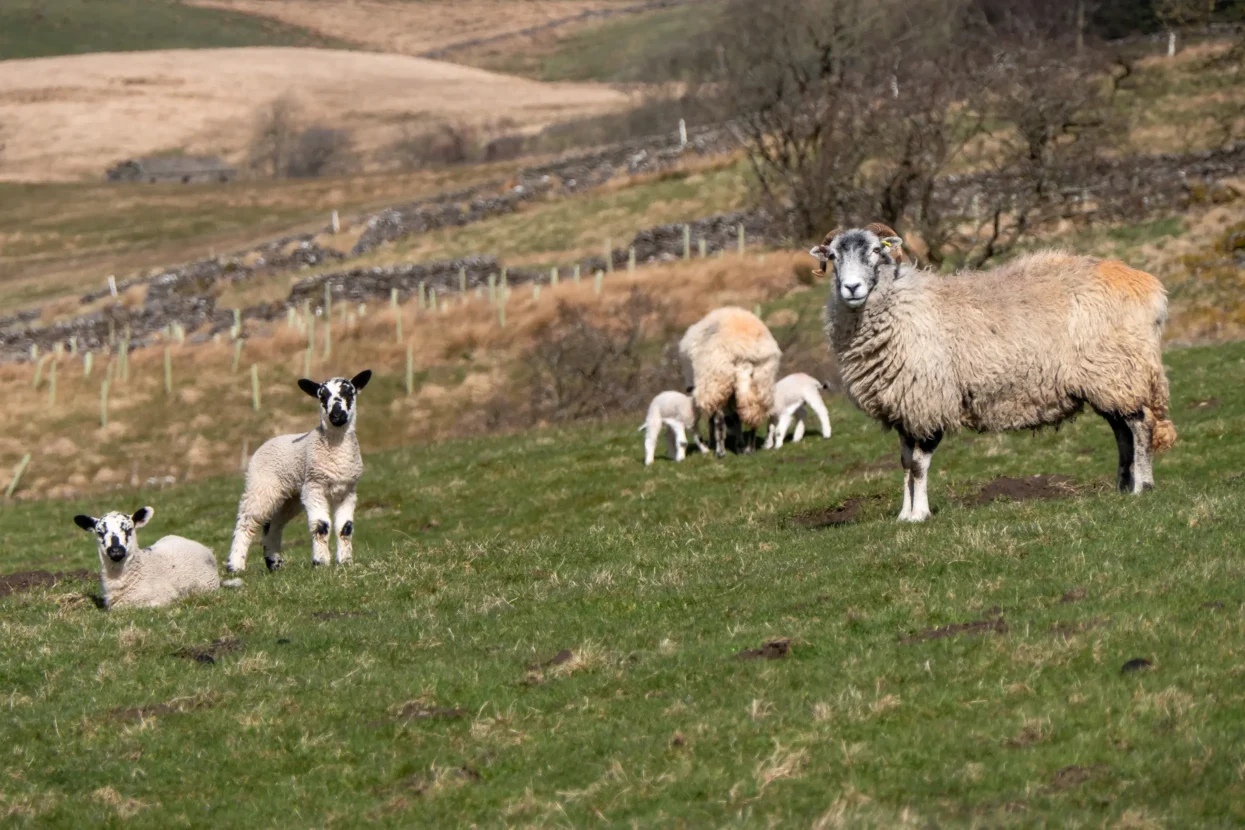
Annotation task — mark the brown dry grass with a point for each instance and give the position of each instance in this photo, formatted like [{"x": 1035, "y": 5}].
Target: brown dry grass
[
  {"x": 462, "y": 358},
  {"x": 411, "y": 28},
  {"x": 71, "y": 117}
]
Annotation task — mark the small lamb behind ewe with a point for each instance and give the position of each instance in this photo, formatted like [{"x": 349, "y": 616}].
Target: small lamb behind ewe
[
  {"x": 1025, "y": 345},
  {"x": 792, "y": 395},
  {"x": 676, "y": 412},
  {"x": 731, "y": 361},
  {"x": 137, "y": 577},
  {"x": 317, "y": 470}
]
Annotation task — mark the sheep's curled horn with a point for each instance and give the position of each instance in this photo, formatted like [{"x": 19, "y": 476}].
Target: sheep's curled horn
[{"x": 875, "y": 228}]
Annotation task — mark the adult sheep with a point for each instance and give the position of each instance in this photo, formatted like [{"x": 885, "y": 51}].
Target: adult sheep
[
  {"x": 1025, "y": 345},
  {"x": 731, "y": 361}
]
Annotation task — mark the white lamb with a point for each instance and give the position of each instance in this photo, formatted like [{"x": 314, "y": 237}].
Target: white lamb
[
  {"x": 317, "y": 470},
  {"x": 137, "y": 577},
  {"x": 677, "y": 414},
  {"x": 792, "y": 395}
]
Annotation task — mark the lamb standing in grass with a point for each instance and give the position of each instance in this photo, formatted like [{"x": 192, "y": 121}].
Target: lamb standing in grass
[
  {"x": 677, "y": 414},
  {"x": 731, "y": 360},
  {"x": 137, "y": 577},
  {"x": 792, "y": 395},
  {"x": 1023, "y": 346},
  {"x": 317, "y": 470}
]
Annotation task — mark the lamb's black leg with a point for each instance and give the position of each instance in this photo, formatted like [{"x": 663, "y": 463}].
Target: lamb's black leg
[
  {"x": 1124, "y": 442},
  {"x": 717, "y": 425}
]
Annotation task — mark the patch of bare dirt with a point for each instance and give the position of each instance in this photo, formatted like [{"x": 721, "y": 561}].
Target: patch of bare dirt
[
  {"x": 1026, "y": 489},
  {"x": 211, "y": 652},
  {"x": 1075, "y": 595},
  {"x": 23, "y": 581},
  {"x": 422, "y": 711},
  {"x": 841, "y": 514},
  {"x": 1074, "y": 776},
  {"x": 173, "y": 707},
  {"x": 1135, "y": 665},
  {"x": 997, "y": 625},
  {"x": 773, "y": 650}
]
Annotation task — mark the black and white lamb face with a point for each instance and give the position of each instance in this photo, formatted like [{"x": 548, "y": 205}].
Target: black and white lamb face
[
  {"x": 859, "y": 257},
  {"x": 337, "y": 396},
  {"x": 115, "y": 531}
]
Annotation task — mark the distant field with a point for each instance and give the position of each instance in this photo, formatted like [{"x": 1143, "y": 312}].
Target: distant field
[
  {"x": 539, "y": 631},
  {"x": 39, "y": 28},
  {"x": 70, "y": 117},
  {"x": 412, "y": 27},
  {"x": 62, "y": 239},
  {"x": 655, "y": 47}
]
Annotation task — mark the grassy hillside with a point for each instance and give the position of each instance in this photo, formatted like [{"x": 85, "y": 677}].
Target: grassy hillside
[
  {"x": 422, "y": 686},
  {"x": 654, "y": 47},
  {"x": 39, "y": 28}
]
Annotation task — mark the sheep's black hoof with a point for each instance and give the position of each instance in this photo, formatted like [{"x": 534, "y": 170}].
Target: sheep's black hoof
[{"x": 274, "y": 562}]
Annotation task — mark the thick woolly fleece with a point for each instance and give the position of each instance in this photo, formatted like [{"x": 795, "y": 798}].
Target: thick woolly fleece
[
  {"x": 326, "y": 464},
  {"x": 731, "y": 352},
  {"x": 150, "y": 577},
  {"x": 792, "y": 395},
  {"x": 1018, "y": 347}
]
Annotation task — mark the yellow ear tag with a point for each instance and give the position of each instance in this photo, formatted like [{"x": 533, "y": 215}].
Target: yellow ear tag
[{"x": 887, "y": 244}]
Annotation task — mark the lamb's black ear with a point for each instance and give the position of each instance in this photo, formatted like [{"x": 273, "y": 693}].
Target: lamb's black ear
[
  {"x": 360, "y": 380},
  {"x": 310, "y": 387},
  {"x": 85, "y": 522},
  {"x": 142, "y": 516}
]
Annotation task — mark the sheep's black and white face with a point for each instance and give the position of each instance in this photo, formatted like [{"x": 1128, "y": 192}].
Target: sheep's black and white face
[
  {"x": 858, "y": 256},
  {"x": 337, "y": 396},
  {"x": 115, "y": 532}
]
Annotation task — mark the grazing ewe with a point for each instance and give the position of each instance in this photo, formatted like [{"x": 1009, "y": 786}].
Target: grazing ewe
[
  {"x": 792, "y": 395},
  {"x": 318, "y": 469},
  {"x": 731, "y": 360},
  {"x": 1025, "y": 345},
  {"x": 137, "y": 577},
  {"x": 676, "y": 412}
]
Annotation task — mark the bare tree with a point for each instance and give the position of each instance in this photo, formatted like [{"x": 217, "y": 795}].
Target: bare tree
[{"x": 276, "y": 133}]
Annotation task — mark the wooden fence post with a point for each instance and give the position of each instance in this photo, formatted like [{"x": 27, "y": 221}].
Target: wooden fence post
[
  {"x": 410, "y": 370},
  {"x": 704, "y": 248},
  {"x": 687, "y": 241},
  {"x": 168, "y": 371},
  {"x": 237, "y": 356},
  {"x": 575, "y": 273},
  {"x": 255, "y": 387},
  {"x": 17, "y": 476}
]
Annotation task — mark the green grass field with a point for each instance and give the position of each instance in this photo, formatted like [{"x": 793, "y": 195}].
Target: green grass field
[
  {"x": 40, "y": 28},
  {"x": 419, "y": 687}
]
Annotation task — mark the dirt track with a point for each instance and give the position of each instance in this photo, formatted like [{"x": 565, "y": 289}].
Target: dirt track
[{"x": 71, "y": 117}]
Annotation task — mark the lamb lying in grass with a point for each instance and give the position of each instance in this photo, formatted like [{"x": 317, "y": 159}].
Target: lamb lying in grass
[
  {"x": 135, "y": 577},
  {"x": 315, "y": 470},
  {"x": 677, "y": 414},
  {"x": 792, "y": 395}
]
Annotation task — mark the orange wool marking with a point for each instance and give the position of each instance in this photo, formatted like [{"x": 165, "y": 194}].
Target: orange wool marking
[
  {"x": 743, "y": 325},
  {"x": 1125, "y": 280}
]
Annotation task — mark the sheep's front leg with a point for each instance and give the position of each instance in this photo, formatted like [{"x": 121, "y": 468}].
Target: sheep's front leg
[
  {"x": 319, "y": 522},
  {"x": 678, "y": 441},
  {"x": 780, "y": 431},
  {"x": 717, "y": 429},
  {"x": 343, "y": 520},
  {"x": 917, "y": 453}
]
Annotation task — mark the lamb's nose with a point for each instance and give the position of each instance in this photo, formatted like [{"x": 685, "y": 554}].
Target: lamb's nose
[{"x": 116, "y": 552}]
